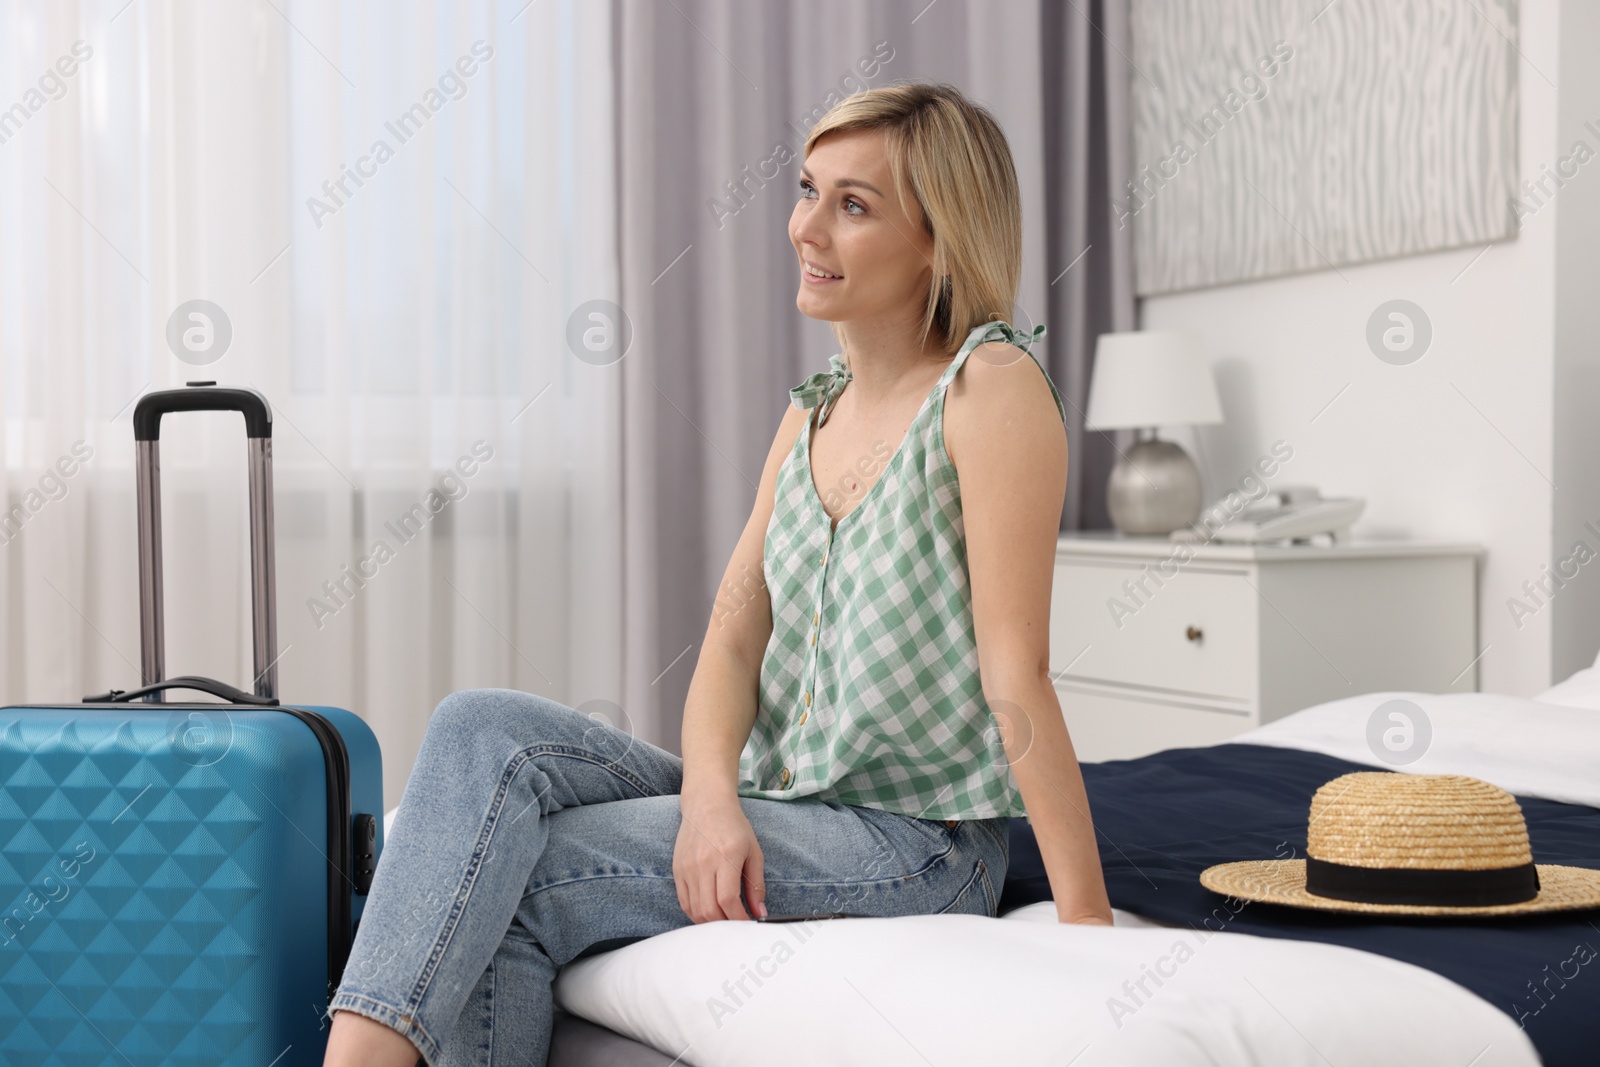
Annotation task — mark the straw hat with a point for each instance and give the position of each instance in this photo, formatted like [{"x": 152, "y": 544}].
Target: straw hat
[{"x": 1381, "y": 842}]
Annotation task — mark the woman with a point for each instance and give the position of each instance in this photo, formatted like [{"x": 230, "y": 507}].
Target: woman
[{"x": 858, "y": 731}]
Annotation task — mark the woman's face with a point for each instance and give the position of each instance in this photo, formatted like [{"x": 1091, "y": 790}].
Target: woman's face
[{"x": 848, "y": 223}]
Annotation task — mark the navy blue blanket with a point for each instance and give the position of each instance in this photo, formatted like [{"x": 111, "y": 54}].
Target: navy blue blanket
[{"x": 1164, "y": 818}]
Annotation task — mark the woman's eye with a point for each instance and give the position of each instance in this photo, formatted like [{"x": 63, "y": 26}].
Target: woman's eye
[{"x": 808, "y": 192}]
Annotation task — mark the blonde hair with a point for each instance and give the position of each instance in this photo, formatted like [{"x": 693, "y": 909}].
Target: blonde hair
[{"x": 951, "y": 155}]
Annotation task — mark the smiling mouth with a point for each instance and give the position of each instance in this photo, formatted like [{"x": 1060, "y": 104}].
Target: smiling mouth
[{"x": 819, "y": 274}]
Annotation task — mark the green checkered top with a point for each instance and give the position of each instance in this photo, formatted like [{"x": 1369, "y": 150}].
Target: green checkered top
[{"x": 869, "y": 692}]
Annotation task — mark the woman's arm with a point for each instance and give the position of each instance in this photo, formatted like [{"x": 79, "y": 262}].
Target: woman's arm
[
  {"x": 1046, "y": 769},
  {"x": 716, "y": 855},
  {"x": 1005, "y": 437},
  {"x": 720, "y": 708}
]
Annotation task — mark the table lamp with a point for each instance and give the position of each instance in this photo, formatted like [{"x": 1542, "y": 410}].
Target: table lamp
[{"x": 1144, "y": 379}]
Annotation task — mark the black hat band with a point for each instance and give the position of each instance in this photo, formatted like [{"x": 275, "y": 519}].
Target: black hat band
[{"x": 1431, "y": 887}]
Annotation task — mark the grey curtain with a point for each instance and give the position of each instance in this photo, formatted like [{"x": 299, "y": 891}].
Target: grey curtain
[{"x": 714, "y": 100}]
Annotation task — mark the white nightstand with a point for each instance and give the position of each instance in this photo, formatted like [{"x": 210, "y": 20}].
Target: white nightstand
[{"x": 1150, "y": 652}]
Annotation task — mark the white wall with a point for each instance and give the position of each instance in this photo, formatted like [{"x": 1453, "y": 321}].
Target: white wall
[
  {"x": 1576, "y": 607},
  {"x": 1459, "y": 445}
]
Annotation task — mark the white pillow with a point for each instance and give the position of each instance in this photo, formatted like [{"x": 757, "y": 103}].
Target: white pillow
[
  {"x": 1528, "y": 747},
  {"x": 1029, "y": 992},
  {"x": 1582, "y": 690}
]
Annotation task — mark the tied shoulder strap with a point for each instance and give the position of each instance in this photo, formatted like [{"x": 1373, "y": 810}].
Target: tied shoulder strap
[
  {"x": 822, "y": 388},
  {"x": 997, "y": 330},
  {"x": 1023, "y": 339}
]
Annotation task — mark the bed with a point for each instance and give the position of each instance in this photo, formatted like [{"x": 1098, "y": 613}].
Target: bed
[{"x": 1186, "y": 976}]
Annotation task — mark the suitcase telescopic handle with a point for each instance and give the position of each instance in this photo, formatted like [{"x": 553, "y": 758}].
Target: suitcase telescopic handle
[{"x": 205, "y": 396}]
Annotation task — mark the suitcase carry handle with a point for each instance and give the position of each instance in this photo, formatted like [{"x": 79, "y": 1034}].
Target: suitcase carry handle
[
  {"x": 147, "y": 415},
  {"x": 205, "y": 396},
  {"x": 183, "y": 681}
]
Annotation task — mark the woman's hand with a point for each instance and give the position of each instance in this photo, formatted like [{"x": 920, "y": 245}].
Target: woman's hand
[{"x": 715, "y": 855}]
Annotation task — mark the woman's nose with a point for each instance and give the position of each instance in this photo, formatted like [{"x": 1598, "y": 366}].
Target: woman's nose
[{"x": 808, "y": 229}]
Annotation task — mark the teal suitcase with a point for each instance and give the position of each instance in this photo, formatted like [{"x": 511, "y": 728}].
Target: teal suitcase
[{"x": 181, "y": 881}]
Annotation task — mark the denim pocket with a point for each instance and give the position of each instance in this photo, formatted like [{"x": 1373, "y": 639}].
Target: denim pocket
[{"x": 978, "y": 893}]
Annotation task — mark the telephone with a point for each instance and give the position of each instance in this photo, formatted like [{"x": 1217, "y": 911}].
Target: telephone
[{"x": 1292, "y": 513}]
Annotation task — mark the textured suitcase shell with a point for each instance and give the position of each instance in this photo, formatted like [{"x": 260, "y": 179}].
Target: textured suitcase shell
[{"x": 168, "y": 882}]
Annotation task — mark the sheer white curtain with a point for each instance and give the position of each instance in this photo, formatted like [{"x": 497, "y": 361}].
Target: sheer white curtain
[{"x": 397, "y": 209}]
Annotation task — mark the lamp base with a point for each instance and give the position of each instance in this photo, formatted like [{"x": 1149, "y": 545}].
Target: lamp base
[{"x": 1154, "y": 489}]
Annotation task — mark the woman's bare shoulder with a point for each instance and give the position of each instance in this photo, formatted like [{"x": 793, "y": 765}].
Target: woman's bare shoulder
[
  {"x": 998, "y": 385},
  {"x": 788, "y": 431}
]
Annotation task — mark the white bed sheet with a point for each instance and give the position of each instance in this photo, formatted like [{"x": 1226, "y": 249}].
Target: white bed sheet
[{"x": 1027, "y": 989}]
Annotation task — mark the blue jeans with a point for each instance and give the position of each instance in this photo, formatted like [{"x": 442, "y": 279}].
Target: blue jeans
[{"x": 530, "y": 835}]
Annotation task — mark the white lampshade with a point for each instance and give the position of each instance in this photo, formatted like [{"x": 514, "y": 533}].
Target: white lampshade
[{"x": 1151, "y": 378}]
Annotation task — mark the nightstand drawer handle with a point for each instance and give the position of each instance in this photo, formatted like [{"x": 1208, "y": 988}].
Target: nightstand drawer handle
[{"x": 1193, "y": 633}]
